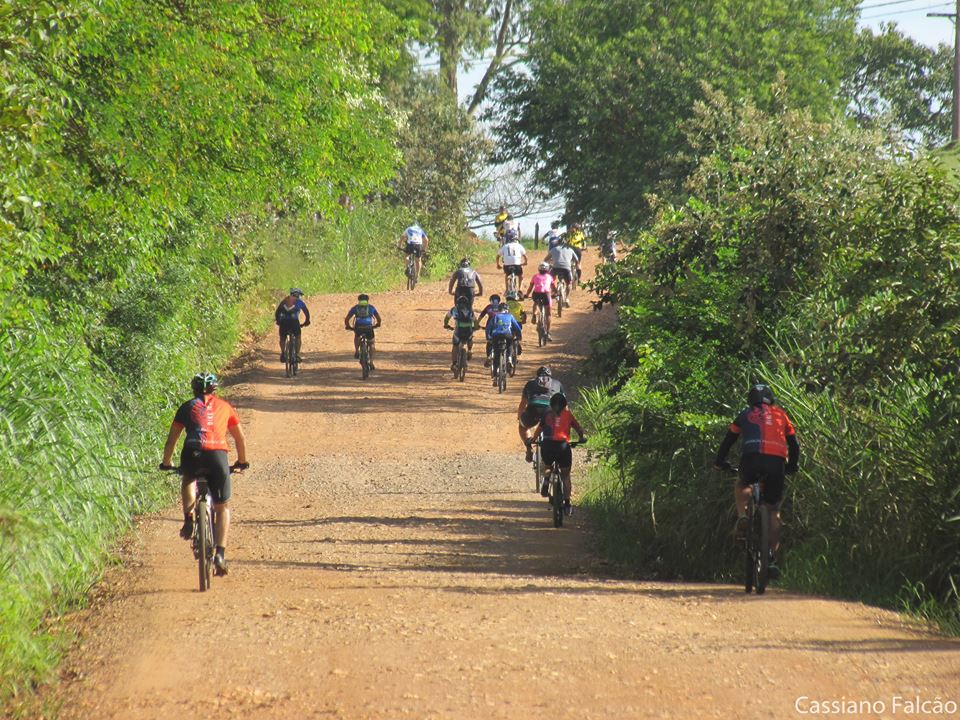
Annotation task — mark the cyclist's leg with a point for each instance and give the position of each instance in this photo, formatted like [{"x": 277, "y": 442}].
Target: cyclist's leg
[
  {"x": 296, "y": 343},
  {"x": 455, "y": 349},
  {"x": 565, "y": 460},
  {"x": 356, "y": 342},
  {"x": 419, "y": 255},
  {"x": 218, "y": 480},
  {"x": 283, "y": 340}
]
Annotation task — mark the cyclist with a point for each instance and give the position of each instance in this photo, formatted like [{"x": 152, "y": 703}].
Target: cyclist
[
  {"x": 502, "y": 325},
  {"x": 511, "y": 257},
  {"x": 555, "y": 445},
  {"x": 466, "y": 322},
  {"x": 542, "y": 287},
  {"x": 534, "y": 403},
  {"x": 488, "y": 312},
  {"x": 577, "y": 242},
  {"x": 366, "y": 319},
  {"x": 498, "y": 221},
  {"x": 207, "y": 419},
  {"x": 608, "y": 246},
  {"x": 415, "y": 241},
  {"x": 562, "y": 261},
  {"x": 510, "y": 230},
  {"x": 553, "y": 237},
  {"x": 467, "y": 282},
  {"x": 516, "y": 307},
  {"x": 287, "y": 317},
  {"x": 769, "y": 450}
]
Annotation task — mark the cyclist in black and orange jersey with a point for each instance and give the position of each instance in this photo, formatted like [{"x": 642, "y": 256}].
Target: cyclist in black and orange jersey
[
  {"x": 207, "y": 419},
  {"x": 555, "y": 446},
  {"x": 768, "y": 450}
]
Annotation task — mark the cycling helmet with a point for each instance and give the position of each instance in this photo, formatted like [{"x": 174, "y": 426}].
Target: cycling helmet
[
  {"x": 511, "y": 234},
  {"x": 465, "y": 263},
  {"x": 555, "y": 225},
  {"x": 494, "y": 299},
  {"x": 363, "y": 297},
  {"x": 502, "y": 307},
  {"x": 204, "y": 383},
  {"x": 760, "y": 394},
  {"x": 544, "y": 267},
  {"x": 558, "y": 402},
  {"x": 296, "y": 291},
  {"x": 512, "y": 295},
  {"x": 544, "y": 371}
]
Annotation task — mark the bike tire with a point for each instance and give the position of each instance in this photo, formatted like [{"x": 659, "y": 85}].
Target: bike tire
[
  {"x": 763, "y": 550},
  {"x": 537, "y": 469},
  {"x": 556, "y": 498},
  {"x": 296, "y": 354},
  {"x": 204, "y": 541},
  {"x": 749, "y": 565},
  {"x": 364, "y": 361},
  {"x": 462, "y": 361},
  {"x": 502, "y": 373},
  {"x": 287, "y": 346},
  {"x": 561, "y": 299}
]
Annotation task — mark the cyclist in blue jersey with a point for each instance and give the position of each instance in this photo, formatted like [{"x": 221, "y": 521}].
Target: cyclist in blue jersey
[
  {"x": 365, "y": 320},
  {"x": 502, "y": 325},
  {"x": 287, "y": 317}
]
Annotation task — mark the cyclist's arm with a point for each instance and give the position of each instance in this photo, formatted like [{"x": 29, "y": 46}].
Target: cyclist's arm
[
  {"x": 426, "y": 241},
  {"x": 576, "y": 426},
  {"x": 479, "y": 285},
  {"x": 276, "y": 313},
  {"x": 346, "y": 320},
  {"x": 521, "y": 408},
  {"x": 725, "y": 446},
  {"x": 306, "y": 313},
  {"x": 175, "y": 430},
  {"x": 240, "y": 441},
  {"x": 453, "y": 280},
  {"x": 793, "y": 452},
  {"x": 376, "y": 316}
]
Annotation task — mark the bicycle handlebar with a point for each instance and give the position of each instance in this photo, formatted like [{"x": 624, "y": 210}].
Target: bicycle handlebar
[{"x": 236, "y": 467}]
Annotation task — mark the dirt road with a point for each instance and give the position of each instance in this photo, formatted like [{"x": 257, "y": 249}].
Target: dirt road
[{"x": 390, "y": 559}]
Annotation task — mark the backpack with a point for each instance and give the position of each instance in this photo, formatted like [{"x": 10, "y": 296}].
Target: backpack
[
  {"x": 467, "y": 278},
  {"x": 363, "y": 312}
]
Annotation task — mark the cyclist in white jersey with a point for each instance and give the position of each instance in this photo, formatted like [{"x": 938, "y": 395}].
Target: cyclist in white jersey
[
  {"x": 511, "y": 258},
  {"x": 414, "y": 240}
]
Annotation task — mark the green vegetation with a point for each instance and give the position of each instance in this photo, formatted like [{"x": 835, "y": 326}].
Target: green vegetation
[{"x": 818, "y": 258}]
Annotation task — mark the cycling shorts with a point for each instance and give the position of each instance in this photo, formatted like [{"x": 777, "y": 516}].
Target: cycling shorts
[
  {"x": 366, "y": 330},
  {"x": 291, "y": 329},
  {"x": 464, "y": 293},
  {"x": 558, "y": 451},
  {"x": 543, "y": 299},
  {"x": 564, "y": 273},
  {"x": 513, "y": 270},
  {"x": 211, "y": 464},
  {"x": 464, "y": 335},
  {"x": 769, "y": 470},
  {"x": 532, "y": 415},
  {"x": 415, "y": 249}
]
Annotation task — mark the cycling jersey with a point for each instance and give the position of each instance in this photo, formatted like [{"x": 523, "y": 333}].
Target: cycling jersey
[
  {"x": 516, "y": 309},
  {"x": 538, "y": 395},
  {"x": 576, "y": 239},
  {"x": 467, "y": 278},
  {"x": 561, "y": 258},
  {"x": 463, "y": 320},
  {"x": 206, "y": 420},
  {"x": 557, "y": 427},
  {"x": 500, "y": 219},
  {"x": 288, "y": 318},
  {"x": 763, "y": 429},
  {"x": 542, "y": 282},
  {"x": 512, "y": 253},
  {"x": 554, "y": 238},
  {"x": 415, "y": 235},
  {"x": 503, "y": 324},
  {"x": 363, "y": 314}
]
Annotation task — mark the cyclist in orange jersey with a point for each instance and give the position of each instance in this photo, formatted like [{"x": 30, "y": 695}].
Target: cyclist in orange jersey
[
  {"x": 555, "y": 445},
  {"x": 206, "y": 419}
]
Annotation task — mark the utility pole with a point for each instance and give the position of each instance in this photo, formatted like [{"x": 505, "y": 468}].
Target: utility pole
[{"x": 955, "y": 16}]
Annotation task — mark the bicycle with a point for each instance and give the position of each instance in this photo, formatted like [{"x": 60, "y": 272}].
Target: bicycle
[
  {"x": 364, "y": 350},
  {"x": 756, "y": 540},
  {"x": 537, "y": 464},
  {"x": 562, "y": 293},
  {"x": 291, "y": 353},
  {"x": 513, "y": 283},
  {"x": 556, "y": 490},
  {"x": 203, "y": 540},
  {"x": 540, "y": 310},
  {"x": 460, "y": 366},
  {"x": 500, "y": 362},
  {"x": 413, "y": 275}
]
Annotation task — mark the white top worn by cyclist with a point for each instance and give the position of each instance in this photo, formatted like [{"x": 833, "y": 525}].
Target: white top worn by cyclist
[
  {"x": 512, "y": 254},
  {"x": 415, "y": 235},
  {"x": 510, "y": 228}
]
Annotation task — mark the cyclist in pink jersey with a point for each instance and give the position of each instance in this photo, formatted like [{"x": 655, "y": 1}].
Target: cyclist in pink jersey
[{"x": 541, "y": 290}]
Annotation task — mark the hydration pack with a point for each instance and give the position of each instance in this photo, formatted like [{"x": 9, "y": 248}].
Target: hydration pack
[{"x": 363, "y": 312}]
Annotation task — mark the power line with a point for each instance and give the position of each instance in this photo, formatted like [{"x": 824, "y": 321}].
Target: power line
[
  {"x": 904, "y": 12},
  {"x": 885, "y": 4}
]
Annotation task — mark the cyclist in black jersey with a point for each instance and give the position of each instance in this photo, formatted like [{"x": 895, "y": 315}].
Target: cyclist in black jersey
[{"x": 534, "y": 403}]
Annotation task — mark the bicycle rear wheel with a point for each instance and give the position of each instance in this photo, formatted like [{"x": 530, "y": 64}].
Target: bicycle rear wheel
[
  {"x": 462, "y": 363},
  {"x": 537, "y": 468},
  {"x": 289, "y": 356},
  {"x": 561, "y": 297},
  {"x": 204, "y": 543},
  {"x": 763, "y": 549},
  {"x": 556, "y": 496},
  {"x": 364, "y": 359},
  {"x": 749, "y": 557}
]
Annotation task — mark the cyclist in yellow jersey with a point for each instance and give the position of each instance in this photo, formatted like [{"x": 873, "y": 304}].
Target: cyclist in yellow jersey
[
  {"x": 498, "y": 221},
  {"x": 515, "y": 307}
]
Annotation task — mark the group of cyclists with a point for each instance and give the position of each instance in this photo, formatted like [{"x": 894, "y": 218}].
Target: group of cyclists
[{"x": 769, "y": 448}]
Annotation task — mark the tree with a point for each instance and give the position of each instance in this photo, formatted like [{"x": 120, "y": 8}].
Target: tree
[
  {"x": 599, "y": 104},
  {"x": 901, "y": 84}
]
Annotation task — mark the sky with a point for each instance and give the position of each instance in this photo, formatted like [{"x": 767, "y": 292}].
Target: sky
[{"x": 910, "y": 16}]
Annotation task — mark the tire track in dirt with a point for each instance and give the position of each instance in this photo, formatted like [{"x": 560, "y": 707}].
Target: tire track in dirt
[{"x": 389, "y": 559}]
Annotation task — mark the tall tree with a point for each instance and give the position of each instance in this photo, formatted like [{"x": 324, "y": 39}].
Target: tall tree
[{"x": 606, "y": 85}]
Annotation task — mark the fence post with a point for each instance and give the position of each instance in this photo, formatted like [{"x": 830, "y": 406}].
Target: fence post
[{"x": 536, "y": 236}]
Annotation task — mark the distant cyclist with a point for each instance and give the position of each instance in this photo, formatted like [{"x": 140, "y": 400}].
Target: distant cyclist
[
  {"x": 466, "y": 322},
  {"x": 555, "y": 444},
  {"x": 577, "y": 241},
  {"x": 563, "y": 262},
  {"x": 501, "y": 217},
  {"x": 465, "y": 283},
  {"x": 768, "y": 450},
  {"x": 287, "y": 317},
  {"x": 414, "y": 241},
  {"x": 510, "y": 231},
  {"x": 553, "y": 237},
  {"x": 206, "y": 419},
  {"x": 491, "y": 309},
  {"x": 542, "y": 286},
  {"x": 366, "y": 320},
  {"x": 511, "y": 257},
  {"x": 534, "y": 403},
  {"x": 502, "y": 325}
]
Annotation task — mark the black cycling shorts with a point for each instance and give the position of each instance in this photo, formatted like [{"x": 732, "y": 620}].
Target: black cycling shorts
[
  {"x": 562, "y": 273},
  {"x": 414, "y": 249},
  {"x": 767, "y": 468},
  {"x": 542, "y": 299},
  {"x": 557, "y": 450},
  {"x": 532, "y": 415},
  {"x": 464, "y": 335},
  {"x": 211, "y": 464},
  {"x": 513, "y": 270},
  {"x": 464, "y": 293},
  {"x": 364, "y": 330},
  {"x": 289, "y": 330}
]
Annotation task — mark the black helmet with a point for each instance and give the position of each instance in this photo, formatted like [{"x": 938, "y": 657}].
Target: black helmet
[
  {"x": 543, "y": 370},
  {"x": 297, "y": 292},
  {"x": 465, "y": 263},
  {"x": 204, "y": 383},
  {"x": 558, "y": 402},
  {"x": 502, "y": 307},
  {"x": 495, "y": 299},
  {"x": 363, "y": 297},
  {"x": 760, "y": 394}
]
